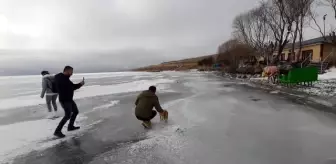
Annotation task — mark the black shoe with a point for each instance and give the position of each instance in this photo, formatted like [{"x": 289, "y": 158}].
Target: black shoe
[
  {"x": 72, "y": 128},
  {"x": 59, "y": 134}
]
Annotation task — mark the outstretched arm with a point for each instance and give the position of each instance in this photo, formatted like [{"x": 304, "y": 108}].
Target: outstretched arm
[
  {"x": 77, "y": 86},
  {"x": 157, "y": 105},
  {"x": 44, "y": 87}
]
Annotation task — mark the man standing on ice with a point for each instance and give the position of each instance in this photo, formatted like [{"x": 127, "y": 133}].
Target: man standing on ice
[
  {"x": 145, "y": 103},
  {"x": 49, "y": 91},
  {"x": 65, "y": 89}
]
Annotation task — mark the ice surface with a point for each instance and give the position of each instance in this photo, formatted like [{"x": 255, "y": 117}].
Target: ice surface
[
  {"x": 121, "y": 88},
  {"x": 37, "y": 78},
  {"x": 23, "y": 137},
  {"x": 27, "y": 136},
  {"x": 88, "y": 91},
  {"x": 105, "y": 106}
]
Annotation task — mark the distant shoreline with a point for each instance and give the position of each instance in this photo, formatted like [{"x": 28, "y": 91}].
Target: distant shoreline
[
  {"x": 59, "y": 72},
  {"x": 177, "y": 65},
  {"x": 180, "y": 65}
]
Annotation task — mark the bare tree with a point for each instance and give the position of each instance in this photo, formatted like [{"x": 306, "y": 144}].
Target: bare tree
[
  {"x": 330, "y": 36},
  {"x": 252, "y": 29},
  {"x": 315, "y": 25},
  {"x": 272, "y": 20},
  {"x": 293, "y": 14},
  {"x": 232, "y": 53},
  {"x": 301, "y": 10},
  {"x": 280, "y": 23},
  {"x": 227, "y": 46},
  {"x": 330, "y": 3}
]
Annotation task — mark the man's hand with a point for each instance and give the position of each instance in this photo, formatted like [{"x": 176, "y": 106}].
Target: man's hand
[
  {"x": 83, "y": 82},
  {"x": 41, "y": 96},
  {"x": 164, "y": 115}
]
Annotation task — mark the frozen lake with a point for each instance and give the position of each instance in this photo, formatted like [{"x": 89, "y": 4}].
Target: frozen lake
[{"x": 212, "y": 120}]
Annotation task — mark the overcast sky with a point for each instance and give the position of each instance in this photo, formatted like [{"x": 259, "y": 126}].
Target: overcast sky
[{"x": 111, "y": 34}]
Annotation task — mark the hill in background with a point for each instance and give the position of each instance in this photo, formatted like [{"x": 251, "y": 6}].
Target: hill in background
[{"x": 178, "y": 65}]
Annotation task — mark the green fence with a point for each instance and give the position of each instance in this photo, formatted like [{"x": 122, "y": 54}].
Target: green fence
[{"x": 306, "y": 75}]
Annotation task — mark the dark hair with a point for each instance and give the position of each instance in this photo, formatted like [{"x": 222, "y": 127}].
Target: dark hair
[
  {"x": 44, "y": 73},
  {"x": 66, "y": 68},
  {"x": 152, "y": 88}
]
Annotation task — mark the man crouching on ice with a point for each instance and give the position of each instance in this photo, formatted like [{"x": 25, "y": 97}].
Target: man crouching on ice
[{"x": 144, "y": 106}]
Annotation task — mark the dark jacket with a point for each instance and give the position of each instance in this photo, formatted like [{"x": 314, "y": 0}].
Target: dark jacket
[
  {"x": 145, "y": 103},
  {"x": 65, "y": 87}
]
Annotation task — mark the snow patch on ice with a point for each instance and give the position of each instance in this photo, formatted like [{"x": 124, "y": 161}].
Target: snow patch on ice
[
  {"x": 106, "y": 106},
  {"x": 122, "y": 88},
  {"x": 90, "y": 91},
  {"x": 259, "y": 79},
  {"x": 37, "y": 78},
  {"x": 275, "y": 92},
  {"x": 23, "y": 137},
  {"x": 159, "y": 144},
  {"x": 320, "y": 101},
  {"x": 227, "y": 89}
]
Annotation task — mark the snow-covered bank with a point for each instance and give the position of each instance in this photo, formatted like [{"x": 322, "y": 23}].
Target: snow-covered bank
[
  {"x": 325, "y": 86},
  {"x": 329, "y": 75}
]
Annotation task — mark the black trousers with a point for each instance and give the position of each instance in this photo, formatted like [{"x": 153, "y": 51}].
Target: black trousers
[
  {"x": 147, "y": 119},
  {"x": 71, "y": 112}
]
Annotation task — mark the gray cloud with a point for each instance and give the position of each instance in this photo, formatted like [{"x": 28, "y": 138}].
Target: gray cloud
[{"x": 111, "y": 34}]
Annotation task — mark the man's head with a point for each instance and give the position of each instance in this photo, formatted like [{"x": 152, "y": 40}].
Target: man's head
[
  {"x": 44, "y": 73},
  {"x": 152, "y": 89},
  {"x": 68, "y": 70}
]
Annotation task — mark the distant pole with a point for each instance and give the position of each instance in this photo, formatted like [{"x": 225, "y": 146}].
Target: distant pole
[{"x": 324, "y": 19}]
